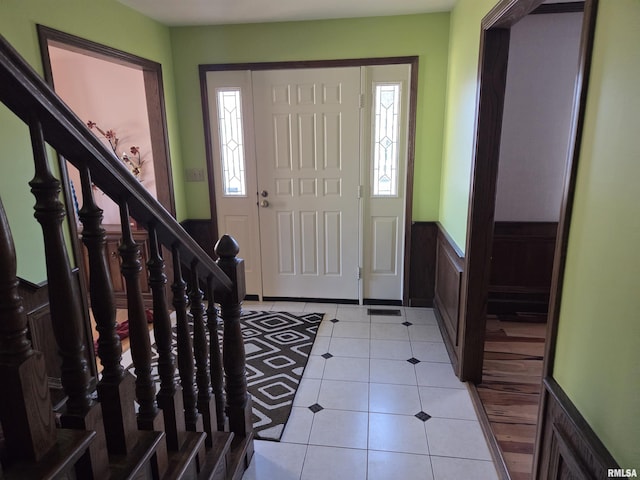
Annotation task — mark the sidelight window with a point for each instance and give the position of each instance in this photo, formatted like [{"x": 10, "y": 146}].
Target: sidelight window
[
  {"x": 231, "y": 142},
  {"x": 385, "y": 139}
]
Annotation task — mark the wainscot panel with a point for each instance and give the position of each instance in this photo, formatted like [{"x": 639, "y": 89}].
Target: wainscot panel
[
  {"x": 449, "y": 268},
  {"x": 521, "y": 267},
  {"x": 422, "y": 274},
  {"x": 570, "y": 449}
]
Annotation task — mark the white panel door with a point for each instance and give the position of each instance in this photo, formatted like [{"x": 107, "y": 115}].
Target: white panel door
[
  {"x": 308, "y": 164},
  {"x": 385, "y": 138},
  {"x": 229, "y": 105}
]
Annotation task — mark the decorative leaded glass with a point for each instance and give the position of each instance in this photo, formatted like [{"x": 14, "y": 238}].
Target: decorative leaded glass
[
  {"x": 231, "y": 142},
  {"x": 385, "y": 140}
]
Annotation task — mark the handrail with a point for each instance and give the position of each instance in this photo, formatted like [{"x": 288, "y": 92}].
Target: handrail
[{"x": 28, "y": 96}]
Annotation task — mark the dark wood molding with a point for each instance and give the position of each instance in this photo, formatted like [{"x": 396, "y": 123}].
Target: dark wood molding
[
  {"x": 357, "y": 62},
  {"x": 422, "y": 269},
  {"x": 348, "y": 62},
  {"x": 566, "y": 7},
  {"x": 579, "y": 108},
  {"x": 446, "y": 302},
  {"x": 569, "y": 448},
  {"x": 494, "y": 54},
  {"x": 566, "y": 210},
  {"x": 154, "y": 90},
  {"x": 508, "y": 12},
  {"x": 156, "y": 109},
  {"x": 408, "y": 195},
  {"x": 208, "y": 149}
]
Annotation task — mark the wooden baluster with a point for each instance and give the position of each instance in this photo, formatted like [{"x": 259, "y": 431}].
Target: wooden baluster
[
  {"x": 206, "y": 402},
  {"x": 215, "y": 357},
  {"x": 66, "y": 309},
  {"x": 149, "y": 416},
  {"x": 192, "y": 418},
  {"x": 25, "y": 405},
  {"x": 233, "y": 355},
  {"x": 170, "y": 395},
  {"x": 115, "y": 389},
  {"x": 67, "y": 317}
]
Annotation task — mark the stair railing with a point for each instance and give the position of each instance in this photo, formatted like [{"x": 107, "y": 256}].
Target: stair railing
[{"x": 168, "y": 416}]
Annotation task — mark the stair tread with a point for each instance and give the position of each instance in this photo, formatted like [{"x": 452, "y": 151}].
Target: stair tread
[
  {"x": 241, "y": 448},
  {"x": 221, "y": 448},
  {"x": 127, "y": 466},
  {"x": 179, "y": 461},
  {"x": 70, "y": 446}
]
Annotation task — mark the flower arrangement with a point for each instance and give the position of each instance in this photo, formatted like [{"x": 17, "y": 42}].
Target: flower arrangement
[{"x": 132, "y": 159}]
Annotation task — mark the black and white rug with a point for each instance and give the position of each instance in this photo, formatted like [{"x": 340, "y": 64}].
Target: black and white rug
[{"x": 277, "y": 347}]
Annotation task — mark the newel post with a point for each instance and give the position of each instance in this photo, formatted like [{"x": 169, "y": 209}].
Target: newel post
[{"x": 233, "y": 354}]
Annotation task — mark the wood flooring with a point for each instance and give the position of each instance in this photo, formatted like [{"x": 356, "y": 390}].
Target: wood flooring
[{"x": 510, "y": 389}]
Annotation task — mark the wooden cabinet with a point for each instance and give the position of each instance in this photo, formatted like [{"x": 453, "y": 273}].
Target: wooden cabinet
[{"x": 114, "y": 237}]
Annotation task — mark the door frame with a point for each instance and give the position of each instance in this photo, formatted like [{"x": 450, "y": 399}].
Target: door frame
[
  {"x": 360, "y": 62},
  {"x": 494, "y": 49},
  {"x": 154, "y": 91}
]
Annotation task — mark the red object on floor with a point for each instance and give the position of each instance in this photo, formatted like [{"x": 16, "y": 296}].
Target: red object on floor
[{"x": 122, "y": 328}]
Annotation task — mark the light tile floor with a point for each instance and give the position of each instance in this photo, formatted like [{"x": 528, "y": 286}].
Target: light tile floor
[{"x": 369, "y": 379}]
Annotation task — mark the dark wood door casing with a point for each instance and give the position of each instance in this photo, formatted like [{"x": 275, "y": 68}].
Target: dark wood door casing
[{"x": 493, "y": 56}]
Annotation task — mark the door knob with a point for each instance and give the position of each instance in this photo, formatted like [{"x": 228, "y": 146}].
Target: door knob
[
  {"x": 264, "y": 193},
  {"x": 264, "y": 203}
]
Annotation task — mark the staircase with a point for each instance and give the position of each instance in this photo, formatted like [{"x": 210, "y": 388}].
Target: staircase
[{"x": 117, "y": 425}]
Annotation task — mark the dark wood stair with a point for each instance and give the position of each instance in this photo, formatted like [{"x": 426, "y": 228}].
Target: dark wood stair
[
  {"x": 241, "y": 454},
  {"x": 115, "y": 426},
  {"x": 138, "y": 463},
  {"x": 218, "y": 459},
  {"x": 58, "y": 462}
]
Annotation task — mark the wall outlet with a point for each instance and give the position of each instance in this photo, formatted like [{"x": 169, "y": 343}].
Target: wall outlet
[{"x": 195, "y": 174}]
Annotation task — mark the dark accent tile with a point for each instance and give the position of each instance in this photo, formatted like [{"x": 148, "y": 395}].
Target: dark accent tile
[
  {"x": 326, "y": 356},
  {"x": 384, "y": 312},
  {"x": 413, "y": 360},
  {"x": 407, "y": 324},
  {"x": 316, "y": 407},
  {"x": 421, "y": 416},
  {"x": 335, "y": 320}
]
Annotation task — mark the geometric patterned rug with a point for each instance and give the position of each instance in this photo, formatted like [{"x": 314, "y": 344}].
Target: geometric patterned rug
[{"x": 277, "y": 347}]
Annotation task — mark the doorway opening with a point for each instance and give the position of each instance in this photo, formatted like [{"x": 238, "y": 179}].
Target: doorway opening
[
  {"x": 493, "y": 244},
  {"x": 120, "y": 97}
]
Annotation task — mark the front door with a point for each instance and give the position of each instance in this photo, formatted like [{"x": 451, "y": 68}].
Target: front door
[
  {"x": 304, "y": 161},
  {"x": 308, "y": 159}
]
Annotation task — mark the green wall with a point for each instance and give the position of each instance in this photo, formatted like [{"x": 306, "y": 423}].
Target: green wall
[
  {"x": 423, "y": 35},
  {"x": 598, "y": 354},
  {"x": 103, "y": 21},
  {"x": 462, "y": 83}
]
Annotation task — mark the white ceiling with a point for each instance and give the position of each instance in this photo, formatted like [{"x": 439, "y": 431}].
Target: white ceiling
[{"x": 217, "y": 12}]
